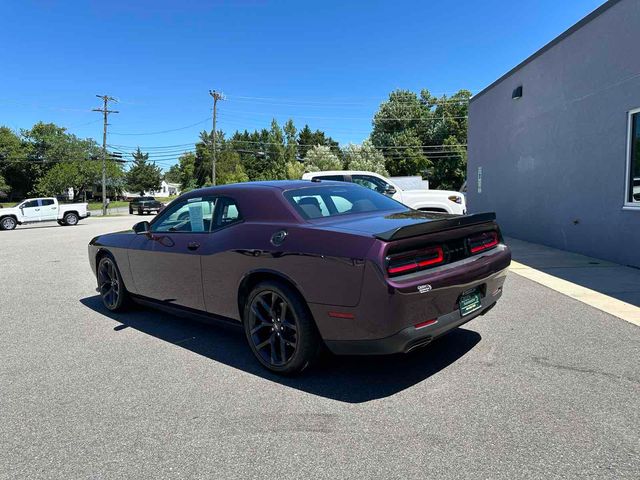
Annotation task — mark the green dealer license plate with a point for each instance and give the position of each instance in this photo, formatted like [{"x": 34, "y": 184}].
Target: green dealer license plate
[{"x": 469, "y": 303}]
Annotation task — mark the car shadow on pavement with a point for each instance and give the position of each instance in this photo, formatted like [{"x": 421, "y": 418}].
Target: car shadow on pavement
[{"x": 352, "y": 379}]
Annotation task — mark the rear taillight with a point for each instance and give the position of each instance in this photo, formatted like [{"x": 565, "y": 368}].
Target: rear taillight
[
  {"x": 417, "y": 260},
  {"x": 484, "y": 241}
]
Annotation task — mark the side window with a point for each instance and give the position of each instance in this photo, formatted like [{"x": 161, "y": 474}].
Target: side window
[
  {"x": 46, "y": 201},
  {"x": 337, "y": 178},
  {"x": 30, "y": 204},
  {"x": 227, "y": 213},
  {"x": 633, "y": 195},
  {"x": 372, "y": 183},
  {"x": 313, "y": 206},
  {"x": 342, "y": 204},
  {"x": 193, "y": 215}
]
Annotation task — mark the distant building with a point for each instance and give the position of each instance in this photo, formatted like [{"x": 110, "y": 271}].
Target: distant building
[
  {"x": 166, "y": 190},
  {"x": 554, "y": 144}
]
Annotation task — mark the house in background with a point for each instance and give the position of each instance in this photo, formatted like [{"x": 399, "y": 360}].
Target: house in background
[
  {"x": 166, "y": 190},
  {"x": 554, "y": 144}
]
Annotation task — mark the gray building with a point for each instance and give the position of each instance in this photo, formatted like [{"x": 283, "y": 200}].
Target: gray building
[{"x": 554, "y": 144}]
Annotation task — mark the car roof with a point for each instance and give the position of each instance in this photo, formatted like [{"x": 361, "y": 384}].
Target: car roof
[
  {"x": 338, "y": 172},
  {"x": 265, "y": 184}
]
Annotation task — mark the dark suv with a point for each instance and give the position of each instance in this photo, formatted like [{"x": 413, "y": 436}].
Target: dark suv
[{"x": 144, "y": 205}]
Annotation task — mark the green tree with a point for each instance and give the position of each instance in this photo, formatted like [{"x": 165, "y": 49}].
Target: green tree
[
  {"x": 397, "y": 126},
  {"x": 14, "y": 166},
  {"x": 143, "y": 174},
  {"x": 186, "y": 167},
  {"x": 308, "y": 139},
  {"x": 173, "y": 174},
  {"x": 80, "y": 175},
  {"x": 320, "y": 158},
  {"x": 27, "y": 158},
  {"x": 449, "y": 171},
  {"x": 229, "y": 168},
  {"x": 4, "y": 187},
  {"x": 364, "y": 157},
  {"x": 417, "y": 133}
]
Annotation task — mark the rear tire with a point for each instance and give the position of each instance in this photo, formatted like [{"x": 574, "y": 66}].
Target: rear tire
[
  {"x": 130, "y": 211},
  {"x": 70, "y": 219},
  {"x": 8, "y": 223},
  {"x": 111, "y": 288},
  {"x": 280, "y": 329},
  {"x": 140, "y": 211}
]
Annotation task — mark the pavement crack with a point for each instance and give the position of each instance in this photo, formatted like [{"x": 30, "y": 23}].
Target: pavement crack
[{"x": 590, "y": 371}]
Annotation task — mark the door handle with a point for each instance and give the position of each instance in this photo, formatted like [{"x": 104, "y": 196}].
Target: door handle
[
  {"x": 37, "y": 209},
  {"x": 193, "y": 245}
]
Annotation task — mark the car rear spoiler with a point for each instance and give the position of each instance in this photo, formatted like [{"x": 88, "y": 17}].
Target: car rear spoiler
[{"x": 433, "y": 226}]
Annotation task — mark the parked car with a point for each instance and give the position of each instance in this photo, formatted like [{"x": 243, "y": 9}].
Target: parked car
[
  {"x": 144, "y": 205},
  {"x": 304, "y": 264},
  {"x": 426, "y": 200},
  {"x": 34, "y": 210}
]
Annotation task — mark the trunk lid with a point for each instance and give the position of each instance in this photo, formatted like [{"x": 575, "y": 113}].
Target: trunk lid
[{"x": 402, "y": 225}]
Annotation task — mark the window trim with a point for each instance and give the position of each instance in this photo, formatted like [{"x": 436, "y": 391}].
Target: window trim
[
  {"x": 214, "y": 214},
  {"x": 184, "y": 202},
  {"x": 627, "y": 205}
]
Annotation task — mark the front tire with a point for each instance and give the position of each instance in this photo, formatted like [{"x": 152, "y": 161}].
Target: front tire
[
  {"x": 70, "y": 219},
  {"x": 110, "y": 285},
  {"x": 8, "y": 223},
  {"x": 280, "y": 329}
]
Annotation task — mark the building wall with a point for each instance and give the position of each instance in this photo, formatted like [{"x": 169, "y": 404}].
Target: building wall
[{"x": 554, "y": 161}]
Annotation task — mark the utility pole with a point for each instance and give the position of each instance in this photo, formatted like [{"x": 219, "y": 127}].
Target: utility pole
[
  {"x": 105, "y": 111},
  {"x": 216, "y": 96}
]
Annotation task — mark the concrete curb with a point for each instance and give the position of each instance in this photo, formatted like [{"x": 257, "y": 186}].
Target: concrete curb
[{"x": 613, "y": 306}]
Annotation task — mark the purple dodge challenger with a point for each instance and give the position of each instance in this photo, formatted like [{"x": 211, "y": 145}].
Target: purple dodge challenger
[{"x": 304, "y": 264}]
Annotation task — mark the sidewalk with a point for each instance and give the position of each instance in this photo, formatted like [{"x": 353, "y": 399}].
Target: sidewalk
[{"x": 607, "y": 286}]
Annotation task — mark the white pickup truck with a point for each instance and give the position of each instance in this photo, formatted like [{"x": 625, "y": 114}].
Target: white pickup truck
[
  {"x": 33, "y": 210},
  {"x": 427, "y": 200}
]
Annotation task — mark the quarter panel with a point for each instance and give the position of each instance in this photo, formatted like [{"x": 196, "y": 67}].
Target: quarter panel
[{"x": 327, "y": 267}]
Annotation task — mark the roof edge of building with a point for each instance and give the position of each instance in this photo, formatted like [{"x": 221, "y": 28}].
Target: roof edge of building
[{"x": 596, "y": 13}]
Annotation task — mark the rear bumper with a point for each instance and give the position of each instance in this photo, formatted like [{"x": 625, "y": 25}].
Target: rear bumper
[
  {"x": 88, "y": 214},
  {"x": 411, "y": 338}
]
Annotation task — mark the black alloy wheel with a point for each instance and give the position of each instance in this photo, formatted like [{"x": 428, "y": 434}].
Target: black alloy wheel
[
  {"x": 110, "y": 285},
  {"x": 280, "y": 329}
]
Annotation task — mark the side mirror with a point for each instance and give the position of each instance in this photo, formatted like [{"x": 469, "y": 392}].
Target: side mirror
[
  {"x": 389, "y": 190},
  {"x": 142, "y": 227}
]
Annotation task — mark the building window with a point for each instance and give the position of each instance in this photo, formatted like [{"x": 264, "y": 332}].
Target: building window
[{"x": 633, "y": 160}]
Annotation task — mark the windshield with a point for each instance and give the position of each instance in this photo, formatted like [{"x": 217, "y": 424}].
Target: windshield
[{"x": 331, "y": 201}]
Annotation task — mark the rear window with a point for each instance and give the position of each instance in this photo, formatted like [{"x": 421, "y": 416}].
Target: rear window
[{"x": 332, "y": 201}]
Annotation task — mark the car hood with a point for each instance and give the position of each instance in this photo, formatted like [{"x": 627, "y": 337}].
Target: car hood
[{"x": 9, "y": 210}]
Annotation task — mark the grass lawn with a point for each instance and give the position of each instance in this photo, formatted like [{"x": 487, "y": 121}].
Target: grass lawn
[{"x": 98, "y": 205}]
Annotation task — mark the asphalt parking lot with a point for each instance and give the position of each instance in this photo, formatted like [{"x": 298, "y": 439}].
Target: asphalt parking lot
[{"x": 542, "y": 387}]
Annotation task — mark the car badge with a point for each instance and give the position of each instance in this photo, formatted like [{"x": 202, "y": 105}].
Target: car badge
[{"x": 424, "y": 288}]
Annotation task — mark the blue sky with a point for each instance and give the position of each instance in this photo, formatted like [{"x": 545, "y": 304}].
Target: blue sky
[{"x": 325, "y": 63}]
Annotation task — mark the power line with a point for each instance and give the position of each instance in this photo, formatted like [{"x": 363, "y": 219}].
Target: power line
[{"x": 164, "y": 131}]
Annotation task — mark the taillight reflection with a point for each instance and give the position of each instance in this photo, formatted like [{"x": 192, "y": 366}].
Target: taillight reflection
[
  {"x": 483, "y": 241},
  {"x": 409, "y": 262}
]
